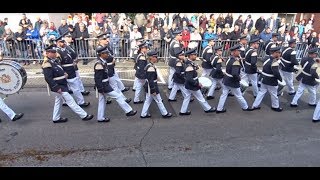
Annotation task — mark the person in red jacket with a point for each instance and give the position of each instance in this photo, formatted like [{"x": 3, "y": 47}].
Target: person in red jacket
[{"x": 185, "y": 38}]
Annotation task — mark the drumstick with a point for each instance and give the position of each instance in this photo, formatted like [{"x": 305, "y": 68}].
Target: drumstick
[
  {"x": 97, "y": 92},
  {"x": 48, "y": 90}
]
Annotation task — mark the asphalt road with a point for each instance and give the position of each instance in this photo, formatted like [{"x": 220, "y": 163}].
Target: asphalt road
[{"x": 236, "y": 138}]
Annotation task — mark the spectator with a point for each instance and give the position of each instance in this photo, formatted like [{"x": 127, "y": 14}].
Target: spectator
[
  {"x": 135, "y": 34},
  {"x": 7, "y": 37},
  {"x": 195, "y": 39},
  {"x": 282, "y": 25},
  {"x": 248, "y": 23},
  {"x": 20, "y": 44},
  {"x": 52, "y": 34},
  {"x": 1, "y": 28},
  {"x": 309, "y": 26},
  {"x": 246, "y": 33},
  {"x": 266, "y": 35},
  {"x": 212, "y": 21},
  {"x": 229, "y": 19},
  {"x": 97, "y": 31},
  {"x": 185, "y": 26},
  {"x": 318, "y": 41},
  {"x": 5, "y": 21},
  {"x": 226, "y": 35},
  {"x": 167, "y": 37},
  {"x": 239, "y": 22},
  {"x": 260, "y": 24},
  {"x": 185, "y": 38},
  {"x": 35, "y": 42},
  {"x": 115, "y": 42},
  {"x": 195, "y": 20},
  {"x": 185, "y": 18},
  {"x": 155, "y": 38},
  {"x": 177, "y": 20},
  {"x": 158, "y": 21},
  {"x": 203, "y": 22},
  {"x": 71, "y": 31},
  {"x": 81, "y": 36},
  {"x": 52, "y": 26},
  {"x": 236, "y": 33},
  {"x": 166, "y": 19},
  {"x": 44, "y": 30},
  {"x": 78, "y": 20},
  {"x": 125, "y": 36},
  {"x": 219, "y": 34},
  {"x": 287, "y": 37},
  {"x": 303, "y": 38},
  {"x": 63, "y": 28},
  {"x": 24, "y": 25},
  {"x": 301, "y": 26},
  {"x": 99, "y": 17},
  {"x": 140, "y": 20},
  {"x": 107, "y": 28},
  {"x": 173, "y": 28},
  {"x": 26, "y": 21},
  {"x": 282, "y": 36},
  {"x": 271, "y": 23},
  {"x": 70, "y": 20},
  {"x": 255, "y": 34},
  {"x": 115, "y": 18},
  {"x": 312, "y": 40},
  {"x": 37, "y": 24},
  {"x": 312, "y": 19},
  {"x": 220, "y": 21}
]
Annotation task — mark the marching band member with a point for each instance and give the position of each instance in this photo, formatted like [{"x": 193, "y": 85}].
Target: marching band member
[
  {"x": 102, "y": 80},
  {"x": 9, "y": 112},
  {"x": 207, "y": 52},
  {"x": 135, "y": 55},
  {"x": 192, "y": 84},
  {"x": 307, "y": 79},
  {"x": 271, "y": 75},
  {"x": 216, "y": 73},
  {"x": 56, "y": 78},
  {"x": 287, "y": 67},
  {"x": 250, "y": 64},
  {"x": 152, "y": 89},
  {"x": 174, "y": 48},
  {"x": 231, "y": 81}
]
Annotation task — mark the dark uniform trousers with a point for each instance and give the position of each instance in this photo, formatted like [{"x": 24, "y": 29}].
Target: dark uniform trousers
[
  {"x": 103, "y": 87},
  {"x": 231, "y": 82},
  {"x": 55, "y": 77},
  {"x": 151, "y": 86},
  {"x": 307, "y": 81},
  {"x": 271, "y": 76}
]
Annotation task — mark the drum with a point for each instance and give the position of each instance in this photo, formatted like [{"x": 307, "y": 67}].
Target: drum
[
  {"x": 206, "y": 84},
  {"x": 281, "y": 85},
  {"x": 13, "y": 77},
  {"x": 244, "y": 84}
]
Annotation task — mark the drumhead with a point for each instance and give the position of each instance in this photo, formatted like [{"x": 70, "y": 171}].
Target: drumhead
[
  {"x": 282, "y": 83},
  {"x": 244, "y": 83},
  {"x": 12, "y": 77},
  {"x": 206, "y": 82}
]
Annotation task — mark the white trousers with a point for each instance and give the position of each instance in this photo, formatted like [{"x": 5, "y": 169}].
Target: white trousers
[
  {"x": 102, "y": 104},
  {"x": 139, "y": 89},
  {"x": 214, "y": 85},
  {"x": 113, "y": 83},
  {"x": 170, "y": 80},
  {"x": 316, "y": 113},
  {"x": 288, "y": 78},
  {"x": 199, "y": 96},
  {"x": 236, "y": 92},
  {"x": 9, "y": 112},
  {"x": 311, "y": 90},
  {"x": 148, "y": 101},
  {"x": 81, "y": 87},
  {"x": 273, "y": 91},
  {"x": 70, "y": 102},
  {"x": 74, "y": 86},
  {"x": 135, "y": 83},
  {"x": 206, "y": 72},
  {"x": 253, "y": 79},
  {"x": 118, "y": 80},
  {"x": 185, "y": 93}
]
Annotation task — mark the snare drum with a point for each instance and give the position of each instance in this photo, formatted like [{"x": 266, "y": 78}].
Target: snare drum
[
  {"x": 206, "y": 82},
  {"x": 13, "y": 77}
]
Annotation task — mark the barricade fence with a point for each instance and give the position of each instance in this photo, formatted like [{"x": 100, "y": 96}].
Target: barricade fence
[{"x": 32, "y": 50}]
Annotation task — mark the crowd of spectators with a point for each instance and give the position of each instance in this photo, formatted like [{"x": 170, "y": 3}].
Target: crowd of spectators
[{"x": 28, "y": 41}]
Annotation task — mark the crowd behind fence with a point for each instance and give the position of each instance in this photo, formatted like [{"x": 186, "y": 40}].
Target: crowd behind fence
[{"x": 30, "y": 50}]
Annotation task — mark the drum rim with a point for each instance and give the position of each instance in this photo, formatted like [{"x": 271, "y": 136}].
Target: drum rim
[{"x": 22, "y": 72}]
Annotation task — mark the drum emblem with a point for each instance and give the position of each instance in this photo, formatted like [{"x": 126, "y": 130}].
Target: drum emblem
[{"x": 5, "y": 78}]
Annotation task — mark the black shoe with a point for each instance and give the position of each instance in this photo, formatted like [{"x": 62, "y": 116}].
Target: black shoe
[
  {"x": 85, "y": 93},
  {"x": 70, "y": 92},
  {"x": 105, "y": 120},
  {"x": 88, "y": 117},
  {"x": 256, "y": 108},
  {"x": 250, "y": 84},
  {"x": 217, "y": 88},
  {"x": 254, "y": 96},
  {"x": 109, "y": 102},
  {"x": 61, "y": 120},
  {"x": 128, "y": 100},
  {"x": 133, "y": 89},
  {"x": 17, "y": 116},
  {"x": 171, "y": 100},
  {"x": 125, "y": 89},
  {"x": 147, "y": 116},
  {"x": 85, "y": 104},
  {"x": 0, "y": 120},
  {"x": 293, "y": 93},
  {"x": 211, "y": 110},
  {"x": 185, "y": 114},
  {"x": 170, "y": 89},
  {"x": 139, "y": 102},
  {"x": 168, "y": 115},
  {"x": 231, "y": 95},
  {"x": 131, "y": 113},
  {"x": 179, "y": 91},
  {"x": 64, "y": 104},
  {"x": 222, "y": 111},
  {"x": 279, "y": 109},
  {"x": 293, "y": 105},
  {"x": 315, "y": 121},
  {"x": 210, "y": 97},
  {"x": 192, "y": 99},
  {"x": 280, "y": 94},
  {"x": 248, "y": 109},
  {"x": 313, "y": 105}
]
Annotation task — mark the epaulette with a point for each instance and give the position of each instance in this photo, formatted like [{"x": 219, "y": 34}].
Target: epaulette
[
  {"x": 189, "y": 68},
  {"x": 220, "y": 60},
  {"x": 46, "y": 65},
  {"x": 151, "y": 69},
  {"x": 179, "y": 64},
  {"x": 236, "y": 63},
  {"x": 314, "y": 66},
  {"x": 98, "y": 66},
  {"x": 210, "y": 50},
  {"x": 293, "y": 52},
  {"x": 276, "y": 63},
  {"x": 254, "y": 53}
]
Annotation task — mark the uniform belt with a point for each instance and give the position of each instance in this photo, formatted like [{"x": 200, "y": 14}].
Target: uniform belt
[
  {"x": 204, "y": 60},
  {"x": 266, "y": 74},
  {"x": 59, "y": 78},
  {"x": 155, "y": 80},
  {"x": 182, "y": 73},
  {"x": 229, "y": 75},
  {"x": 289, "y": 62},
  {"x": 195, "y": 78},
  {"x": 109, "y": 64},
  {"x": 105, "y": 80},
  {"x": 247, "y": 63},
  {"x": 306, "y": 73},
  {"x": 66, "y": 65}
]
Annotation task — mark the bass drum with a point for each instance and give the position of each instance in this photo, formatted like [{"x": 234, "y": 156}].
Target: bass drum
[{"x": 13, "y": 77}]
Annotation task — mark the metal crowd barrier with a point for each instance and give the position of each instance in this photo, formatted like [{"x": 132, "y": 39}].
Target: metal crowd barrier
[{"x": 32, "y": 50}]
